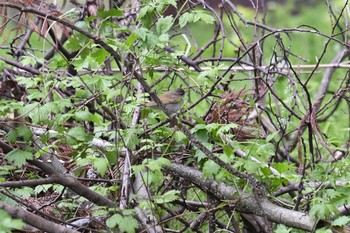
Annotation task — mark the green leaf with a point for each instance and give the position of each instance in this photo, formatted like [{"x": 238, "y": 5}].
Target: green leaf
[
  {"x": 157, "y": 164},
  {"x": 164, "y": 38},
  {"x": 323, "y": 230},
  {"x": 73, "y": 43},
  {"x": 163, "y": 25},
  {"x": 125, "y": 224},
  {"x": 145, "y": 10},
  {"x": 203, "y": 15},
  {"x": 210, "y": 168},
  {"x": 282, "y": 229},
  {"x": 227, "y": 127},
  {"x": 131, "y": 138},
  {"x": 199, "y": 154},
  {"x": 23, "y": 192},
  {"x": 281, "y": 167},
  {"x": 341, "y": 221},
  {"x": 131, "y": 40},
  {"x": 20, "y": 133},
  {"x": 128, "y": 224},
  {"x": 323, "y": 211},
  {"x": 42, "y": 188},
  {"x": 110, "y": 13},
  {"x": 28, "y": 60},
  {"x": 180, "y": 137},
  {"x": 82, "y": 116},
  {"x": 186, "y": 18},
  {"x": 99, "y": 56},
  {"x": 83, "y": 62},
  {"x": 7, "y": 223},
  {"x": 25, "y": 133},
  {"x": 228, "y": 150},
  {"x": 101, "y": 165},
  {"x": 213, "y": 72},
  {"x": 18, "y": 157},
  {"x": 194, "y": 16},
  {"x": 162, "y": 4},
  {"x": 213, "y": 127},
  {"x": 252, "y": 166},
  {"x": 167, "y": 197},
  {"x": 79, "y": 134},
  {"x": 12, "y": 136}
]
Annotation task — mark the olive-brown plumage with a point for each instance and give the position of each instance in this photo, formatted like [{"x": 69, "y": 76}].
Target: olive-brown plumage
[{"x": 172, "y": 100}]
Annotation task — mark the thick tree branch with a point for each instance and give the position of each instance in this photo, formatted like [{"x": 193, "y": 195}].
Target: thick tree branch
[
  {"x": 243, "y": 201},
  {"x": 35, "y": 220}
]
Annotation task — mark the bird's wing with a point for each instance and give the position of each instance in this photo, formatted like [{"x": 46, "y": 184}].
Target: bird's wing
[{"x": 173, "y": 99}]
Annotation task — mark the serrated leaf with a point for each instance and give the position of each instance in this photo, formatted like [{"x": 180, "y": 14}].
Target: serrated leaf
[
  {"x": 194, "y": 16},
  {"x": 110, "y": 13},
  {"x": 282, "y": 229},
  {"x": 128, "y": 224},
  {"x": 199, "y": 154},
  {"x": 28, "y": 60},
  {"x": 227, "y": 127},
  {"x": 101, "y": 165},
  {"x": 212, "y": 127},
  {"x": 163, "y": 25},
  {"x": 113, "y": 220},
  {"x": 131, "y": 138},
  {"x": 167, "y": 197},
  {"x": 142, "y": 33},
  {"x": 81, "y": 63},
  {"x": 100, "y": 56},
  {"x": 228, "y": 150},
  {"x": 210, "y": 168},
  {"x": 145, "y": 10},
  {"x": 179, "y": 136},
  {"x": 186, "y": 18},
  {"x": 210, "y": 72},
  {"x": 198, "y": 127},
  {"x": 131, "y": 40},
  {"x": 164, "y": 38},
  {"x": 281, "y": 167},
  {"x": 18, "y": 157},
  {"x": 341, "y": 221},
  {"x": 156, "y": 165},
  {"x": 203, "y": 15},
  {"x": 8, "y": 224},
  {"x": 322, "y": 211},
  {"x": 125, "y": 224},
  {"x": 82, "y": 115},
  {"x": 73, "y": 43},
  {"x": 12, "y": 136},
  {"x": 78, "y": 133},
  {"x": 95, "y": 118},
  {"x": 25, "y": 133}
]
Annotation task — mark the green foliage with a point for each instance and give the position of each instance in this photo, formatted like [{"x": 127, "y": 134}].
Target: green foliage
[
  {"x": 20, "y": 133},
  {"x": 282, "y": 229},
  {"x": 324, "y": 230},
  {"x": 167, "y": 197},
  {"x": 163, "y": 25},
  {"x": 341, "y": 221},
  {"x": 195, "y": 16},
  {"x": 76, "y": 135},
  {"x": 124, "y": 223},
  {"x": 18, "y": 157},
  {"x": 7, "y": 223},
  {"x": 96, "y": 102}
]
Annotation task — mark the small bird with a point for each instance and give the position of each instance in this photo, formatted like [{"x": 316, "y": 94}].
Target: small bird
[{"x": 172, "y": 100}]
